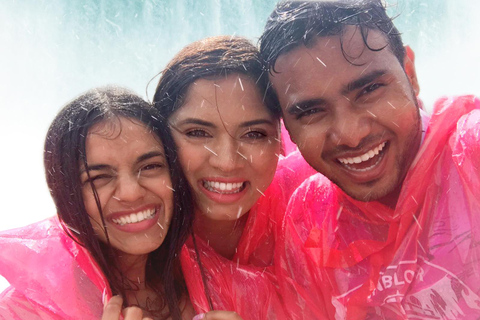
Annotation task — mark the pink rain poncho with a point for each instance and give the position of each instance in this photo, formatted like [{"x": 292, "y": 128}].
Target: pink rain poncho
[
  {"x": 361, "y": 260},
  {"x": 246, "y": 283},
  {"x": 51, "y": 276}
]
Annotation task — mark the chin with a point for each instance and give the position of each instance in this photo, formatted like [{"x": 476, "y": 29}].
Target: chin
[{"x": 374, "y": 191}]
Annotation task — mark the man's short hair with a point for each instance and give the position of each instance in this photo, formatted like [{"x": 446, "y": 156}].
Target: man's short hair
[{"x": 294, "y": 23}]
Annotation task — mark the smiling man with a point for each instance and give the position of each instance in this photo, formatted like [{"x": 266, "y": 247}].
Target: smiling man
[{"x": 395, "y": 234}]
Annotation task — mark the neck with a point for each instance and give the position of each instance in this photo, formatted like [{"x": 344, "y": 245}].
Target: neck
[
  {"x": 137, "y": 292},
  {"x": 391, "y": 199},
  {"x": 222, "y": 235},
  {"x": 133, "y": 268}
]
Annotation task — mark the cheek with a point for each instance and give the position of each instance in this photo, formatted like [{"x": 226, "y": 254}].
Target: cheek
[
  {"x": 163, "y": 191},
  {"x": 312, "y": 144},
  {"x": 190, "y": 160},
  {"x": 264, "y": 161},
  {"x": 94, "y": 215},
  {"x": 306, "y": 135},
  {"x": 90, "y": 205}
]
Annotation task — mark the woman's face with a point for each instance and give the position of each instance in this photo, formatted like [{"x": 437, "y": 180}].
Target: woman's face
[
  {"x": 127, "y": 166},
  {"x": 227, "y": 143}
]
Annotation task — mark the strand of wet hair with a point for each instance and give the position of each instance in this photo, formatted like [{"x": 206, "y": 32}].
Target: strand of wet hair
[{"x": 202, "y": 273}]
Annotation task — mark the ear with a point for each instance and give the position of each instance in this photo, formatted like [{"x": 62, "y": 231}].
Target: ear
[{"x": 409, "y": 67}]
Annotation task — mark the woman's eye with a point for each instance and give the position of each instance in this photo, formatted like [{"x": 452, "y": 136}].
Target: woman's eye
[
  {"x": 197, "y": 133},
  {"x": 255, "y": 135},
  {"x": 152, "y": 169},
  {"x": 98, "y": 180},
  {"x": 152, "y": 166}
]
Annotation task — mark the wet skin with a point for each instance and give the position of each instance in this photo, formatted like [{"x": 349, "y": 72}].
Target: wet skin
[
  {"x": 358, "y": 124},
  {"x": 228, "y": 145},
  {"x": 127, "y": 165}
]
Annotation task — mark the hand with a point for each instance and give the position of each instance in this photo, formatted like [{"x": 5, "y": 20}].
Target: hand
[
  {"x": 113, "y": 309},
  {"x": 218, "y": 315}
]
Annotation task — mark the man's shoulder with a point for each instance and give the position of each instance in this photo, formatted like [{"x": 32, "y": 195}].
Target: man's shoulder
[
  {"x": 448, "y": 104},
  {"x": 312, "y": 199},
  {"x": 315, "y": 185},
  {"x": 453, "y": 109}
]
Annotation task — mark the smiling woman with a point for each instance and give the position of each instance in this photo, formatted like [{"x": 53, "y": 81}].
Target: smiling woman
[
  {"x": 229, "y": 143},
  {"x": 126, "y": 167},
  {"x": 223, "y": 118},
  {"x": 117, "y": 232}
]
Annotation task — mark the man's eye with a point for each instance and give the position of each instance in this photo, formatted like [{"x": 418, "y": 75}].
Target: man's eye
[
  {"x": 308, "y": 112},
  {"x": 372, "y": 87}
]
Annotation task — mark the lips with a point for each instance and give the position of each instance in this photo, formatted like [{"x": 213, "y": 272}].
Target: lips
[
  {"x": 135, "y": 217},
  {"x": 223, "y": 187},
  {"x": 365, "y": 161},
  {"x": 223, "y": 191}
]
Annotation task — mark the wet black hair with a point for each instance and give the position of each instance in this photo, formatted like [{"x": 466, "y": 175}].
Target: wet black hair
[
  {"x": 294, "y": 23},
  {"x": 65, "y": 153},
  {"x": 212, "y": 58}
]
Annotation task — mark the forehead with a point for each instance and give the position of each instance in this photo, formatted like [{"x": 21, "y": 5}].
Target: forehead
[
  {"x": 114, "y": 126},
  {"x": 234, "y": 97},
  {"x": 121, "y": 133},
  {"x": 355, "y": 46},
  {"x": 333, "y": 61}
]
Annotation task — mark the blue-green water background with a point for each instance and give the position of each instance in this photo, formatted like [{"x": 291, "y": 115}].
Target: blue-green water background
[{"x": 52, "y": 50}]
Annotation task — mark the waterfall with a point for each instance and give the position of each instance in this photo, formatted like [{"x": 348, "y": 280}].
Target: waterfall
[{"x": 53, "y": 50}]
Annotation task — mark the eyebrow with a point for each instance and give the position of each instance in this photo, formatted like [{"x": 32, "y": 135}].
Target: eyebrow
[
  {"x": 362, "y": 81},
  {"x": 95, "y": 167},
  {"x": 196, "y": 121},
  {"x": 299, "y": 107},
  {"x": 255, "y": 122},
  {"x": 149, "y": 155},
  {"x": 143, "y": 157},
  {"x": 211, "y": 125}
]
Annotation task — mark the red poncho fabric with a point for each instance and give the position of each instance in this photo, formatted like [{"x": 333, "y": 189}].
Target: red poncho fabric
[
  {"x": 51, "y": 276},
  {"x": 246, "y": 283},
  {"x": 361, "y": 260}
]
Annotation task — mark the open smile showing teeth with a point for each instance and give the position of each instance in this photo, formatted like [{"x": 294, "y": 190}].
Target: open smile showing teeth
[
  {"x": 223, "y": 188},
  {"x": 362, "y": 159},
  {"x": 135, "y": 217}
]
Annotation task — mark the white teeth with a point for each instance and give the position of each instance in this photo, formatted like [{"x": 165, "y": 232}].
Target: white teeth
[
  {"x": 135, "y": 217},
  {"x": 364, "y": 157},
  {"x": 222, "y": 187}
]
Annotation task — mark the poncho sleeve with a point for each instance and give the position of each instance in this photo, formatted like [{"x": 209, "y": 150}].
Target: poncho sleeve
[{"x": 51, "y": 276}]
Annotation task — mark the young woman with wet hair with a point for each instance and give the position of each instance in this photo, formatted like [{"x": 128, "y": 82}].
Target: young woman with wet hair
[
  {"x": 225, "y": 123},
  {"x": 124, "y": 211}
]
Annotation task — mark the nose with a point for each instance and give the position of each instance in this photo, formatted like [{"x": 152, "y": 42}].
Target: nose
[
  {"x": 349, "y": 127},
  {"x": 226, "y": 155},
  {"x": 128, "y": 188}
]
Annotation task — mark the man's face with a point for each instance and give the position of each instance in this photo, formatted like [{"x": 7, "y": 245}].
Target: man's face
[{"x": 355, "y": 122}]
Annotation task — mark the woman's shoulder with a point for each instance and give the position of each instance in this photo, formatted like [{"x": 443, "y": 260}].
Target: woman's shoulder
[
  {"x": 46, "y": 229},
  {"x": 14, "y": 305},
  {"x": 46, "y": 266}
]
